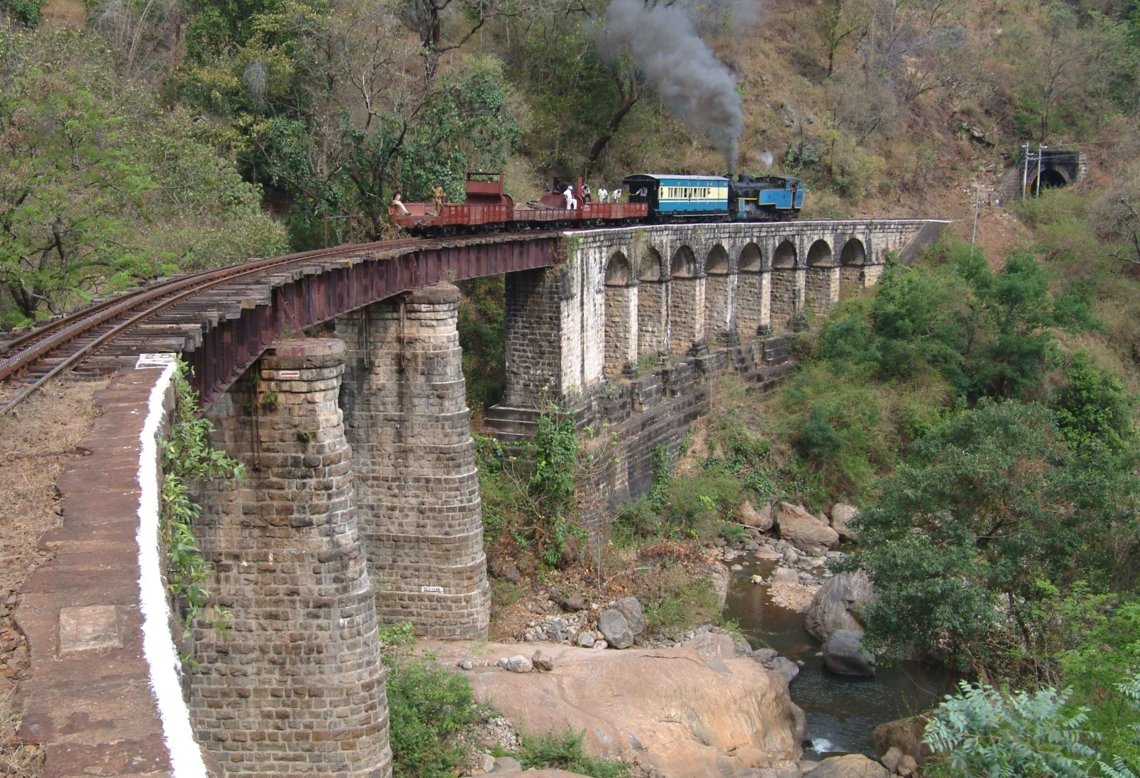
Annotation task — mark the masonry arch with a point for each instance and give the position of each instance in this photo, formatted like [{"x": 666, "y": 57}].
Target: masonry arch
[
  {"x": 652, "y": 304},
  {"x": 784, "y": 295},
  {"x": 720, "y": 291},
  {"x": 852, "y": 258},
  {"x": 686, "y": 303},
  {"x": 821, "y": 282},
  {"x": 1050, "y": 178},
  {"x": 620, "y": 319},
  {"x": 752, "y": 286}
]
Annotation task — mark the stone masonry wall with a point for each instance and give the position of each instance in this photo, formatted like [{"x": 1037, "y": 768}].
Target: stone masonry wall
[
  {"x": 621, "y": 329},
  {"x": 749, "y": 305},
  {"x": 534, "y": 335},
  {"x": 294, "y": 685},
  {"x": 720, "y": 319},
  {"x": 821, "y": 291},
  {"x": 414, "y": 461},
  {"x": 686, "y": 314},
  {"x": 652, "y": 318},
  {"x": 783, "y": 298}
]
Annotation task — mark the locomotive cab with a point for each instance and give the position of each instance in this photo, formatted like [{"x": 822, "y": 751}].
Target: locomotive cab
[{"x": 762, "y": 198}]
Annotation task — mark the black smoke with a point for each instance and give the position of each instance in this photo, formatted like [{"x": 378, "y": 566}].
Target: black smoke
[{"x": 694, "y": 85}]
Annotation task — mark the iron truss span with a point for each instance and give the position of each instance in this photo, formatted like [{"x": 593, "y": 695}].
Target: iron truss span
[{"x": 221, "y": 320}]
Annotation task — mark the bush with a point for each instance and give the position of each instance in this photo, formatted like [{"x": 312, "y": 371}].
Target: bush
[
  {"x": 429, "y": 709},
  {"x": 564, "y": 751},
  {"x": 683, "y": 602},
  {"x": 984, "y": 732}
]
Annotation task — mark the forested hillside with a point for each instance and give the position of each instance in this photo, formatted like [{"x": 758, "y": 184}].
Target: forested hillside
[{"x": 323, "y": 108}]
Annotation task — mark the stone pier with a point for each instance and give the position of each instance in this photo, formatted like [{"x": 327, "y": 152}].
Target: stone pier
[
  {"x": 414, "y": 460},
  {"x": 290, "y": 682}
]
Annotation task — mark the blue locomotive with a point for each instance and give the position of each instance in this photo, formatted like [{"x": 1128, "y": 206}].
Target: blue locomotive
[{"x": 700, "y": 198}]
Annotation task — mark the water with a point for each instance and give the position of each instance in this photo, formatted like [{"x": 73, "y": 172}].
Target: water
[{"x": 841, "y": 711}]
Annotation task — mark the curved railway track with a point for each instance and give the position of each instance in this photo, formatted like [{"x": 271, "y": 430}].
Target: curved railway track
[{"x": 32, "y": 359}]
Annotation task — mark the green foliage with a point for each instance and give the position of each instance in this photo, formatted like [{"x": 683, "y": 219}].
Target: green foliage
[
  {"x": 483, "y": 338},
  {"x": 564, "y": 752},
  {"x": 99, "y": 190},
  {"x": 188, "y": 459},
  {"x": 429, "y": 709},
  {"x": 984, "y": 732},
  {"x": 684, "y": 601},
  {"x": 23, "y": 11},
  {"x": 964, "y": 532},
  {"x": 695, "y": 505},
  {"x": 552, "y": 486},
  {"x": 530, "y": 500},
  {"x": 1093, "y": 409}
]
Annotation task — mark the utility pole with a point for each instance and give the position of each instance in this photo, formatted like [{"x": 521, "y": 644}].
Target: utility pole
[
  {"x": 977, "y": 204},
  {"x": 1025, "y": 172},
  {"x": 1040, "y": 148}
]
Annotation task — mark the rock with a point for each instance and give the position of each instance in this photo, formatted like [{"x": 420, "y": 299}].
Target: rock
[
  {"x": 506, "y": 764},
  {"x": 849, "y": 766},
  {"x": 586, "y": 638},
  {"x": 615, "y": 628},
  {"x": 757, "y": 579},
  {"x": 785, "y": 771},
  {"x": 516, "y": 664},
  {"x": 841, "y": 516},
  {"x": 892, "y": 758},
  {"x": 484, "y": 763},
  {"x": 843, "y": 654},
  {"x": 542, "y": 661},
  {"x": 711, "y": 645},
  {"x": 785, "y": 668},
  {"x": 757, "y": 519},
  {"x": 618, "y": 699},
  {"x": 903, "y": 734},
  {"x": 804, "y": 531},
  {"x": 907, "y": 766},
  {"x": 833, "y": 605},
  {"x": 631, "y": 609},
  {"x": 465, "y": 663},
  {"x": 785, "y": 575},
  {"x": 790, "y": 556},
  {"x": 765, "y": 655},
  {"x": 571, "y": 603}
]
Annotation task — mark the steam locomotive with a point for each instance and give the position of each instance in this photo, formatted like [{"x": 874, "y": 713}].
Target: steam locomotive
[{"x": 650, "y": 198}]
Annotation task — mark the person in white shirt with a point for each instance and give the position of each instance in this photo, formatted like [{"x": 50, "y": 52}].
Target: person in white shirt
[
  {"x": 603, "y": 193},
  {"x": 571, "y": 202}
]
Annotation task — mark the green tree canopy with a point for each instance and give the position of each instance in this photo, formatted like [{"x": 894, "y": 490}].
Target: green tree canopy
[{"x": 99, "y": 190}]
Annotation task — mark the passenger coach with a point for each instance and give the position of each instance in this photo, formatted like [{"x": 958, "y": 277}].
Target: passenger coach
[{"x": 673, "y": 198}]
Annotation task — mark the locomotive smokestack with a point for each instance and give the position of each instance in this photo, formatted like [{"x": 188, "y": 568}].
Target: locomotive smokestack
[{"x": 695, "y": 86}]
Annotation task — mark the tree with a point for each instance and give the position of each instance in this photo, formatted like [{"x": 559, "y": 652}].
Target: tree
[
  {"x": 982, "y": 731},
  {"x": 965, "y": 532},
  {"x": 840, "y": 20},
  {"x": 99, "y": 190}
]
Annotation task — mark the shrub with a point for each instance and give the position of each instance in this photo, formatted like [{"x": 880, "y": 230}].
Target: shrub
[
  {"x": 564, "y": 751},
  {"x": 429, "y": 709}
]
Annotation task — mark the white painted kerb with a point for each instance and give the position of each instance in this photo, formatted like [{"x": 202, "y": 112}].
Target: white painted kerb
[{"x": 158, "y": 646}]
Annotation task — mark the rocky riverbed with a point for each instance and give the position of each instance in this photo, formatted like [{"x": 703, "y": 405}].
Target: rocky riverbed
[{"x": 706, "y": 704}]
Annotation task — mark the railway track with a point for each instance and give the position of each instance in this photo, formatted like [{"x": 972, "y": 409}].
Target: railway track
[{"x": 160, "y": 317}]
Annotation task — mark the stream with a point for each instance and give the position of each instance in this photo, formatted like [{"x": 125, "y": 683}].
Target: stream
[{"x": 841, "y": 711}]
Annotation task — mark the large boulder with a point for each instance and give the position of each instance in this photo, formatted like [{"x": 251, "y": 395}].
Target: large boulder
[
  {"x": 757, "y": 519},
  {"x": 842, "y": 515},
  {"x": 836, "y": 604},
  {"x": 804, "y": 531},
  {"x": 849, "y": 766},
  {"x": 631, "y": 609},
  {"x": 903, "y": 734},
  {"x": 670, "y": 708},
  {"x": 843, "y": 654},
  {"x": 615, "y": 628}
]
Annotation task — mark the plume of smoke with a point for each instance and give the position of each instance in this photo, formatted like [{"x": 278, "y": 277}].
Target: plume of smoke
[{"x": 693, "y": 84}]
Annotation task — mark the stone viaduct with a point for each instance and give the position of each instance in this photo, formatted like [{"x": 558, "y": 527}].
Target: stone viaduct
[{"x": 360, "y": 503}]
